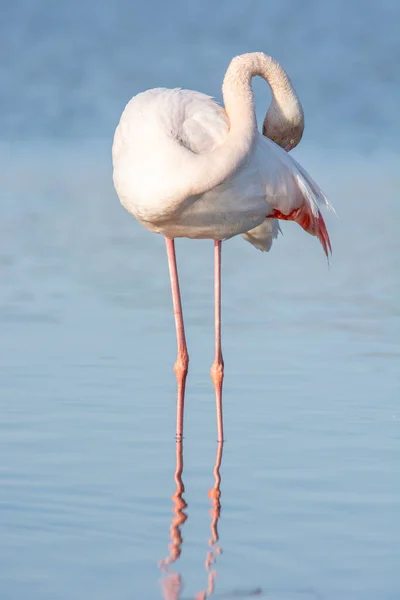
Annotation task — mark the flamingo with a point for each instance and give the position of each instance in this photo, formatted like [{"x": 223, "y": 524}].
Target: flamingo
[{"x": 184, "y": 166}]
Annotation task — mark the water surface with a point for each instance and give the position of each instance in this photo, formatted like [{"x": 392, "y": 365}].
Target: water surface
[{"x": 310, "y": 494}]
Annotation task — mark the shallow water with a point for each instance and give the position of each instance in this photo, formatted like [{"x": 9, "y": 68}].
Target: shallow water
[{"x": 310, "y": 494}]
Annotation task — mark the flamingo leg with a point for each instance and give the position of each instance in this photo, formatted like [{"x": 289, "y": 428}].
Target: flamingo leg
[
  {"x": 182, "y": 361},
  {"x": 217, "y": 368}
]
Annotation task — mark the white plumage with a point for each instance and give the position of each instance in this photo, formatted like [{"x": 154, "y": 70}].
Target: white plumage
[{"x": 162, "y": 131}]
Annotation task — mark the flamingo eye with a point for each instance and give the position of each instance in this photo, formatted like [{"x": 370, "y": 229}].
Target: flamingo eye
[{"x": 291, "y": 142}]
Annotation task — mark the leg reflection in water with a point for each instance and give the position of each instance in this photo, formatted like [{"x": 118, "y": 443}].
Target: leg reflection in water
[
  {"x": 172, "y": 582},
  {"x": 175, "y": 547},
  {"x": 215, "y": 512}
]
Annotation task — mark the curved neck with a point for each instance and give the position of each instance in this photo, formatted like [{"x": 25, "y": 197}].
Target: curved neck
[
  {"x": 238, "y": 95},
  {"x": 213, "y": 168}
]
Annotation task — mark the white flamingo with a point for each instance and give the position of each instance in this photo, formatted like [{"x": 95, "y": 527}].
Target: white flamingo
[{"x": 186, "y": 167}]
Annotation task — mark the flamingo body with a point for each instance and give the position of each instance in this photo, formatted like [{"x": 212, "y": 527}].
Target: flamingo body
[{"x": 157, "y": 132}]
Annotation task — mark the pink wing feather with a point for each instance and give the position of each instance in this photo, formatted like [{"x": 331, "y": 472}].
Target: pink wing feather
[{"x": 291, "y": 192}]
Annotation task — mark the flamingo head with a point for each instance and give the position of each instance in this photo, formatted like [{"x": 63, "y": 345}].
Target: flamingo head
[
  {"x": 284, "y": 121},
  {"x": 286, "y": 136}
]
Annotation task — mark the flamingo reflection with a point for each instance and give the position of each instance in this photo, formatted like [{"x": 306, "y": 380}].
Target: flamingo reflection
[{"x": 172, "y": 583}]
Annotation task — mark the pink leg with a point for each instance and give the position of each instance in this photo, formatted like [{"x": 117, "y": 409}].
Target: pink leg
[
  {"x": 217, "y": 369},
  {"x": 182, "y": 360}
]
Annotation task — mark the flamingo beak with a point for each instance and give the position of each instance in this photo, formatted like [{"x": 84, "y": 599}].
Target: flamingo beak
[{"x": 288, "y": 147}]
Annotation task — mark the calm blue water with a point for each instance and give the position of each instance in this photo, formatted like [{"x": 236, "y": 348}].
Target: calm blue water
[{"x": 310, "y": 492}]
